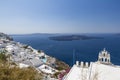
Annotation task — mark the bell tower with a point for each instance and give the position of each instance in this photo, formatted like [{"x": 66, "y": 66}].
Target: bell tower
[{"x": 104, "y": 57}]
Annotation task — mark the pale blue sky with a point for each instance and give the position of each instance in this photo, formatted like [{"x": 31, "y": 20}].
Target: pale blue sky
[{"x": 59, "y": 16}]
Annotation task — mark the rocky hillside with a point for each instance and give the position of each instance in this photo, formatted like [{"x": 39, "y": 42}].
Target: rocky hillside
[
  {"x": 5, "y": 36},
  {"x": 24, "y": 56}
]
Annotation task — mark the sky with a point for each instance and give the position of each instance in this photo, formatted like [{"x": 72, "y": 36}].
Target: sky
[{"x": 59, "y": 16}]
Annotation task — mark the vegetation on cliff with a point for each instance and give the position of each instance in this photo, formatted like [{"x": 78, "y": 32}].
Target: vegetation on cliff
[{"x": 9, "y": 71}]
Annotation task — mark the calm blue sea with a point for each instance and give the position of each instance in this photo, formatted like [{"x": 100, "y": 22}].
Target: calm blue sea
[{"x": 84, "y": 50}]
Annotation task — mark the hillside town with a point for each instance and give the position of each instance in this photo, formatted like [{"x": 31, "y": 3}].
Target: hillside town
[{"x": 25, "y": 56}]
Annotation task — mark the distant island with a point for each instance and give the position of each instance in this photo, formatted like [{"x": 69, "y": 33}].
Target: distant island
[{"x": 73, "y": 37}]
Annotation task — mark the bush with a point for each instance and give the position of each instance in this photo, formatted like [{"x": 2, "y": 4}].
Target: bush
[
  {"x": 3, "y": 57},
  {"x": 26, "y": 46},
  {"x": 39, "y": 51},
  {"x": 56, "y": 74},
  {"x": 15, "y": 73}
]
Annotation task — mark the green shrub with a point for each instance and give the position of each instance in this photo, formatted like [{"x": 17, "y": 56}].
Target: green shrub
[{"x": 3, "y": 57}]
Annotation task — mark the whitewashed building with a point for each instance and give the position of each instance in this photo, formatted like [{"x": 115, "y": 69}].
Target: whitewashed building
[{"x": 103, "y": 69}]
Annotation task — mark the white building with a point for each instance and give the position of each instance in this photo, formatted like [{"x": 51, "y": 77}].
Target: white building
[
  {"x": 104, "y": 57},
  {"x": 100, "y": 70},
  {"x": 22, "y": 65},
  {"x": 47, "y": 69}
]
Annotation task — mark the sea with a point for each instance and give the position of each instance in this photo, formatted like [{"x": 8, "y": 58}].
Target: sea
[{"x": 77, "y": 50}]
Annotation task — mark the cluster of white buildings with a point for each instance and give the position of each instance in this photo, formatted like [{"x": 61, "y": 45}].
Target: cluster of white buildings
[
  {"x": 25, "y": 56},
  {"x": 103, "y": 69}
]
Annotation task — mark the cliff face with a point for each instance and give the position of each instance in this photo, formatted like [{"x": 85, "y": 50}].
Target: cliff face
[
  {"x": 5, "y": 36},
  {"x": 26, "y": 56}
]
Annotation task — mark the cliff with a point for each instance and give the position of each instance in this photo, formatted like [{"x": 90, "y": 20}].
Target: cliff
[
  {"x": 5, "y": 36},
  {"x": 24, "y": 56}
]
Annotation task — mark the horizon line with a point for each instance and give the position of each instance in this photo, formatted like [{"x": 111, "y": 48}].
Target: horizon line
[{"x": 59, "y": 33}]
